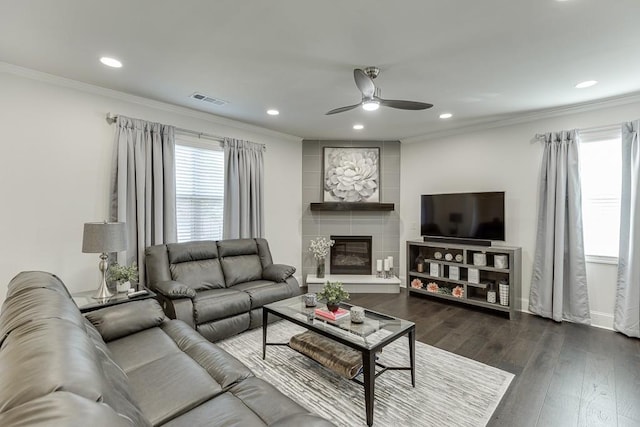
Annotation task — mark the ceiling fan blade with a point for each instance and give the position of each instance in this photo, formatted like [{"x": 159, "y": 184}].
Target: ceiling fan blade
[
  {"x": 364, "y": 83},
  {"x": 404, "y": 105},
  {"x": 342, "y": 109}
]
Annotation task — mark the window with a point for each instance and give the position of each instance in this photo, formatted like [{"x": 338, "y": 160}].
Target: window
[
  {"x": 199, "y": 189},
  {"x": 600, "y": 175}
]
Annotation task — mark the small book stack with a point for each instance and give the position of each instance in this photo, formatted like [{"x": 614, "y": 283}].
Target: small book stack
[{"x": 337, "y": 315}]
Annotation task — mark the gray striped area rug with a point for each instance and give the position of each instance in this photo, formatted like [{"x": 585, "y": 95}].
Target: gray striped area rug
[{"x": 450, "y": 390}]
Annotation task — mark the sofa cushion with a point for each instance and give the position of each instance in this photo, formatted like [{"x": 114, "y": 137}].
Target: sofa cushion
[
  {"x": 263, "y": 292},
  {"x": 225, "y": 410},
  {"x": 28, "y": 280},
  {"x": 144, "y": 347},
  {"x": 235, "y": 247},
  {"x": 41, "y": 350},
  {"x": 191, "y": 251},
  {"x": 34, "y": 296},
  {"x": 199, "y": 275},
  {"x": 170, "y": 386},
  {"x": 126, "y": 319},
  {"x": 64, "y": 409},
  {"x": 220, "y": 329},
  {"x": 51, "y": 356},
  {"x": 219, "y": 303},
  {"x": 225, "y": 369},
  {"x": 117, "y": 393},
  {"x": 241, "y": 268},
  {"x": 265, "y": 400}
]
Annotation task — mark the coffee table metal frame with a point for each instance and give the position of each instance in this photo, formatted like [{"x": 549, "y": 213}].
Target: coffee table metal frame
[{"x": 369, "y": 362}]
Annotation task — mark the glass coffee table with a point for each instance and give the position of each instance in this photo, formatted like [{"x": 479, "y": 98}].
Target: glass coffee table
[{"x": 377, "y": 331}]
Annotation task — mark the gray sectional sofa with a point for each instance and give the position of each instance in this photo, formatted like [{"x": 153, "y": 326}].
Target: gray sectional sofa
[
  {"x": 124, "y": 365},
  {"x": 218, "y": 287}
]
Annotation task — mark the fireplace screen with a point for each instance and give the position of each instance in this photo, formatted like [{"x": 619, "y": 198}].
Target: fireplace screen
[{"x": 350, "y": 255}]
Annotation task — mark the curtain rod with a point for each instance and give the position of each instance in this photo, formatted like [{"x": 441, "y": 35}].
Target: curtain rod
[
  {"x": 112, "y": 119},
  {"x": 591, "y": 129}
]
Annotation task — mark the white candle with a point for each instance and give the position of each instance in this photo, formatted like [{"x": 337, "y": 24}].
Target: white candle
[
  {"x": 379, "y": 265},
  {"x": 390, "y": 262},
  {"x": 386, "y": 264}
]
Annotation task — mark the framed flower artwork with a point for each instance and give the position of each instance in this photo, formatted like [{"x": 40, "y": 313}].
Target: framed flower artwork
[{"x": 351, "y": 174}]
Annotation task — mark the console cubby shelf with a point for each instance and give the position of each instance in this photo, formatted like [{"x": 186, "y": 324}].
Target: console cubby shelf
[{"x": 475, "y": 288}]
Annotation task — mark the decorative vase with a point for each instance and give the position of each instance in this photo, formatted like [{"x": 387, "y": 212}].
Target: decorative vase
[
  {"x": 333, "y": 306},
  {"x": 320, "y": 269},
  {"x": 357, "y": 314},
  {"x": 122, "y": 286}
]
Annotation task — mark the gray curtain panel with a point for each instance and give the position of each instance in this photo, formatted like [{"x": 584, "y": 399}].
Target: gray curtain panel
[
  {"x": 559, "y": 279},
  {"x": 627, "y": 311},
  {"x": 244, "y": 189},
  {"x": 143, "y": 186}
]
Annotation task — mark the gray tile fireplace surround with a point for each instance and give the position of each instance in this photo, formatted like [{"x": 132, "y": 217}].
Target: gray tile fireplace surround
[{"x": 384, "y": 227}]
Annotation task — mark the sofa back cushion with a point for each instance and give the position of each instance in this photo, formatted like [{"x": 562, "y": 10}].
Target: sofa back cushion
[
  {"x": 240, "y": 261},
  {"x": 43, "y": 290},
  {"x": 196, "y": 264},
  {"x": 47, "y": 347}
]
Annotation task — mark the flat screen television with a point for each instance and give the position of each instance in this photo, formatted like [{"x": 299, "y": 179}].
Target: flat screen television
[{"x": 468, "y": 216}]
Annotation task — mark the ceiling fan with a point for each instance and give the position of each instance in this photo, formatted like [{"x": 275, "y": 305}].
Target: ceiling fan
[{"x": 371, "y": 94}]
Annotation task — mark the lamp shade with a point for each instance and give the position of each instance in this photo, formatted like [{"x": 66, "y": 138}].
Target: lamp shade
[{"x": 104, "y": 237}]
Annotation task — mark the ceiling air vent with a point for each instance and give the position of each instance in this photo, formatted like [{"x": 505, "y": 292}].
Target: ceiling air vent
[{"x": 204, "y": 98}]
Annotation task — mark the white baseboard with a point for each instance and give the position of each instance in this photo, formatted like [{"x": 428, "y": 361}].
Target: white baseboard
[{"x": 598, "y": 319}]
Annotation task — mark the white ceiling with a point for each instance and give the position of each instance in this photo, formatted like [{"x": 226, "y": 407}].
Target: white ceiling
[{"x": 481, "y": 60}]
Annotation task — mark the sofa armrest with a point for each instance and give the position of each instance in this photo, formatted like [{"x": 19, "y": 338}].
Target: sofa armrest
[
  {"x": 120, "y": 320},
  {"x": 278, "y": 272},
  {"x": 294, "y": 286},
  {"x": 174, "y": 290}
]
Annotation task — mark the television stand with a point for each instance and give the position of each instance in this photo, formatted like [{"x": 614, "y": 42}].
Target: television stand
[
  {"x": 459, "y": 241},
  {"x": 484, "y": 276}
]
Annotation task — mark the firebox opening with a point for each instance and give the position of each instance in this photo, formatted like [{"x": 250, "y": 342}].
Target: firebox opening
[{"x": 351, "y": 255}]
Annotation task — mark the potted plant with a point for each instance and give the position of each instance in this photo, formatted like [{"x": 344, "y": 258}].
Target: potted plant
[
  {"x": 123, "y": 276},
  {"x": 333, "y": 293}
]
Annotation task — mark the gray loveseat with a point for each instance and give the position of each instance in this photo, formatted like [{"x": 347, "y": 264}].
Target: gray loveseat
[
  {"x": 218, "y": 288},
  {"x": 124, "y": 365}
]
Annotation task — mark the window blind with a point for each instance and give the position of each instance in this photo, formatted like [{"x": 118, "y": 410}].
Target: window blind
[
  {"x": 199, "y": 191},
  {"x": 600, "y": 172}
]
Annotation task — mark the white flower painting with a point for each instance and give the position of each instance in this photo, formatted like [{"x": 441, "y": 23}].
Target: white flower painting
[{"x": 351, "y": 175}]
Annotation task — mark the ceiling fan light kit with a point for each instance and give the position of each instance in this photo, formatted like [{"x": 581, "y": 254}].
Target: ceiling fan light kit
[
  {"x": 371, "y": 100},
  {"x": 370, "y": 105}
]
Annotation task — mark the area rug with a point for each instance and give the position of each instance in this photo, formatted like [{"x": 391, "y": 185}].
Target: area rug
[{"x": 450, "y": 390}]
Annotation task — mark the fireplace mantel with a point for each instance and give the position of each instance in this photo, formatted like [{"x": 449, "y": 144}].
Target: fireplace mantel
[{"x": 351, "y": 206}]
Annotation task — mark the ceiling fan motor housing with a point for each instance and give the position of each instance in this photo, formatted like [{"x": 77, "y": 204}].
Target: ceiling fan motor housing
[{"x": 372, "y": 72}]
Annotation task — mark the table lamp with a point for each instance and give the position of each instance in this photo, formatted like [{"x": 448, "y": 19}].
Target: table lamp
[{"x": 103, "y": 238}]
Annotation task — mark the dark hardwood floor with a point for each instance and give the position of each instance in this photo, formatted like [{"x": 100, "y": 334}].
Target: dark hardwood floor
[{"x": 566, "y": 374}]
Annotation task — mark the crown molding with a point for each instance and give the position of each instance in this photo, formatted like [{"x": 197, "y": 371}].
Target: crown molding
[
  {"x": 532, "y": 116},
  {"x": 470, "y": 126},
  {"x": 134, "y": 99}
]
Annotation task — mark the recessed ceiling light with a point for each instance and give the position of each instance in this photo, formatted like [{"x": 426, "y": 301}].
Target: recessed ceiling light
[
  {"x": 446, "y": 115},
  {"x": 585, "y": 84},
  {"x": 358, "y": 127},
  {"x": 111, "y": 62},
  {"x": 273, "y": 112},
  {"x": 370, "y": 105}
]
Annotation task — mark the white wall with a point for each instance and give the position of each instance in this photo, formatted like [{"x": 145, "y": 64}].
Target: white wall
[
  {"x": 503, "y": 159},
  {"x": 55, "y": 160}
]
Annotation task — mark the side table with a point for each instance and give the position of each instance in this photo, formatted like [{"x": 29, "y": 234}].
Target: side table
[{"x": 86, "y": 303}]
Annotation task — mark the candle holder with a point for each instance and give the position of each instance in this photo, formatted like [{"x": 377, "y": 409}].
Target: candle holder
[{"x": 379, "y": 272}]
